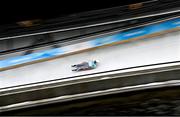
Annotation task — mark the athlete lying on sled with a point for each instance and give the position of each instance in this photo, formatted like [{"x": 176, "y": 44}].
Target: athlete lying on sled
[{"x": 85, "y": 66}]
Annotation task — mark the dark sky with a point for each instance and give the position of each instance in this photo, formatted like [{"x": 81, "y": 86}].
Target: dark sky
[{"x": 14, "y": 10}]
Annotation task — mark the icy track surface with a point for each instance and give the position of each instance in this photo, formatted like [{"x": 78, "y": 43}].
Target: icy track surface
[{"x": 148, "y": 51}]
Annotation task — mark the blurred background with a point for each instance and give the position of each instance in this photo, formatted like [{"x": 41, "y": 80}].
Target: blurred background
[{"x": 135, "y": 76}]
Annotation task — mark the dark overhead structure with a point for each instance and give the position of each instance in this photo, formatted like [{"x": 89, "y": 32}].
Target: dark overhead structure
[
  {"x": 32, "y": 19},
  {"x": 28, "y": 10}
]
